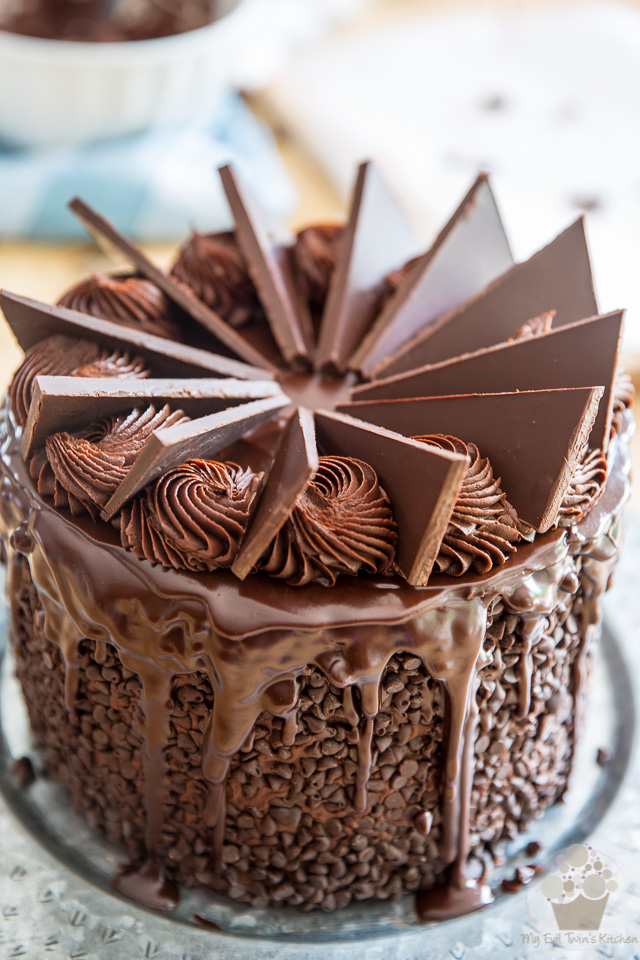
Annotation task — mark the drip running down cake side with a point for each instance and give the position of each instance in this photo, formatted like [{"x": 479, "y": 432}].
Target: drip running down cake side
[{"x": 295, "y": 618}]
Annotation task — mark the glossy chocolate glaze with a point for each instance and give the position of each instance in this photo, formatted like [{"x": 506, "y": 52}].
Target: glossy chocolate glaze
[{"x": 254, "y": 638}]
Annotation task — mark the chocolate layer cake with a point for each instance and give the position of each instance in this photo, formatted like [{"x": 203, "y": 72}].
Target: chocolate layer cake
[{"x": 303, "y": 595}]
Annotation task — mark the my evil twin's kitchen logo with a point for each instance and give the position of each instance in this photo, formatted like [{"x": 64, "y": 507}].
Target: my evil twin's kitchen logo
[
  {"x": 578, "y": 888},
  {"x": 579, "y": 902}
]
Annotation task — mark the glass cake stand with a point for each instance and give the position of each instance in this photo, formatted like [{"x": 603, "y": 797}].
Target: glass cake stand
[{"x": 55, "y": 871}]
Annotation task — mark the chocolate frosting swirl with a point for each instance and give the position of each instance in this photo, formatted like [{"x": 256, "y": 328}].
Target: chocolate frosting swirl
[
  {"x": 131, "y": 301},
  {"x": 214, "y": 267},
  {"x": 341, "y": 523},
  {"x": 623, "y": 396},
  {"x": 192, "y": 518},
  {"x": 534, "y": 327},
  {"x": 315, "y": 254},
  {"x": 587, "y": 483},
  {"x": 65, "y": 356},
  {"x": 484, "y": 528},
  {"x": 82, "y": 470}
]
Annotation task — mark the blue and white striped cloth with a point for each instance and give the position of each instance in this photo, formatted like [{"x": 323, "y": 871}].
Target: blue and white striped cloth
[{"x": 155, "y": 186}]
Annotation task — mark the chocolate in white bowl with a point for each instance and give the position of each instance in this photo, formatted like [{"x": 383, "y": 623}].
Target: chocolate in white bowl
[{"x": 67, "y": 92}]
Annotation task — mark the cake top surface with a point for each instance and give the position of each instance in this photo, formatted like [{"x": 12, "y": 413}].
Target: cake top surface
[{"x": 393, "y": 412}]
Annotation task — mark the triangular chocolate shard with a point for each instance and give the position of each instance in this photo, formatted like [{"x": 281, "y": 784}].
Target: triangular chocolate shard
[
  {"x": 258, "y": 334},
  {"x": 558, "y": 277},
  {"x": 266, "y": 244},
  {"x": 295, "y": 462},
  {"x": 470, "y": 252},
  {"x": 421, "y": 482},
  {"x": 106, "y": 233},
  {"x": 32, "y": 322},
  {"x": 533, "y": 438},
  {"x": 378, "y": 239},
  {"x": 69, "y": 403},
  {"x": 577, "y": 355},
  {"x": 199, "y": 438}
]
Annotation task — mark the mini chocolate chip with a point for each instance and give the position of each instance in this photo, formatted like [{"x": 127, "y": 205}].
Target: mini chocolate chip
[
  {"x": 286, "y": 816},
  {"x": 22, "y": 772}
]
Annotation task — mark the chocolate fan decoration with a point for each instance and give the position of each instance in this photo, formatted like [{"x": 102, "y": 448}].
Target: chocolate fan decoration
[
  {"x": 367, "y": 256},
  {"x": 577, "y": 355},
  {"x": 558, "y": 278},
  {"x": 69, "y": 403},
  {"x": 106, "y": 233},
  {"x": 295, "y": 462},
  {"x": 469, "y": 253},
  {"x": 265, "y": 243},
  {"x": 532, "y": 437},
  {"x": 32, "y": 322},
  {"x": 403, "y": 466},
  {"x": 200, "y": 438}
]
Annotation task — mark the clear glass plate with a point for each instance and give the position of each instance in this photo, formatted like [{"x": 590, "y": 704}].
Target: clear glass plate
[{"x": 40, "y": 832}]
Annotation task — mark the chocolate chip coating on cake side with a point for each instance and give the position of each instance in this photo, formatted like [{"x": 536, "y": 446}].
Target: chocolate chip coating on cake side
[{"x": 292, "y": 836}]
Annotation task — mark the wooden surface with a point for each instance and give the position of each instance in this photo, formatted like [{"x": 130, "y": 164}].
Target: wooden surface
[{"x": 44, "y": 271}]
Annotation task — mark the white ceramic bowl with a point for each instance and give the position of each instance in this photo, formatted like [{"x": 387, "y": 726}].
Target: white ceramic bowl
[{"x": 56, "y": 92}]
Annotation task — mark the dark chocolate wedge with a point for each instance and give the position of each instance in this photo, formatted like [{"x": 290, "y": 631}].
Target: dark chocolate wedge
[
  {"x": 69, "y": 403},
  {"x": 107, "y": 235},
  {"x": 558, "y": 278},
  {"x": 32, "y": 321},
  {"x": 421, "y": 482},
  {"x": 378, "y": 239},
  {"x": 469, "y": 253},
  {"x": 533, "y": 438},
  {"x": 295, "y": 462},
  {"x": 266, "y": 244},
  {"x": 577, "y": 355},
  {"x": 199, "y": 438}
]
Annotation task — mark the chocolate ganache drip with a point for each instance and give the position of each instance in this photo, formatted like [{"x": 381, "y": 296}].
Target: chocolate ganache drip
[
  {"x": 623, "y": 396},
  {"x": 315, "y": 254},
  {"x": 131, "y": 301},
  {"x": 192, "y": 518},
  {"x": 341, "y": 523},
  {"x": 65, "y": 356},
  {"x": 484, "y": 529},
  {"x": 214, "y": 267},
  {"x": 587, "y": 483},
  {"x": 81, "y": 471}
]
